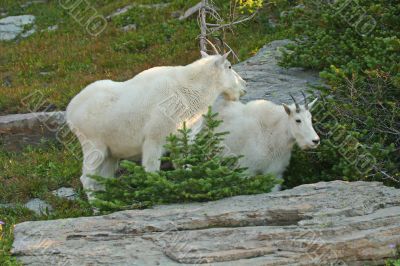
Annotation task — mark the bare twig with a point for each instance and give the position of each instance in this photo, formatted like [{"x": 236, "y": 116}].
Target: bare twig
[
  {"x": 207, "y": 9},
  {"x": 203, "y": 26}
]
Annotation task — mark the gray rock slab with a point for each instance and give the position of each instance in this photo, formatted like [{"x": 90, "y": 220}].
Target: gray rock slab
[
  {"x": 267, "y": 80},
  {"x": 327, "y": 223}
]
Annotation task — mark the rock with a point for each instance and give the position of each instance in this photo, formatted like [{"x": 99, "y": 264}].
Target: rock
[
  {"x": 65, "y": 192},
  {"x": 301, "y": 6},
  {"x": 18, "y": 20},
  {"x": 272, "y": 23},
  {"x": 52, "y": 28},
  {"x": 266, "y": 80},
  {"x": 7, "y": 205},
  {"x": 176, "y": 14},
  {"x": 129, "y": 27},
  {"x": 29, "y": 3},
  {"x": 154, "y": 6},
  {"x": 7, "y": 81},
  {"x": 125, "y": 9},
  {"x": 328, "y": 223},
  {"x": 20, "y": 130},
  {"x": 28, "y": 33},
  {"x": 45, "y": 73},
  {"x": 11, "y": 27},
  {"x": 38, "y": 206},
  {"x": 120, "y": 11}
]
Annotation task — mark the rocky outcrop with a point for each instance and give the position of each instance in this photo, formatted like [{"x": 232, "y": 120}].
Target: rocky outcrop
[
  {"x": 267, "y": 80},
  {"x": 20, "y": 130},
  {"x": 334, "y": 223}
]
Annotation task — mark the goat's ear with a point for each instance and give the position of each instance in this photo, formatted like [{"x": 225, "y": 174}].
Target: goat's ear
[
  {"x": 203, "y": 54},
  {"x": 310, "y": 105},
  {"x": 287, "y": 109}
]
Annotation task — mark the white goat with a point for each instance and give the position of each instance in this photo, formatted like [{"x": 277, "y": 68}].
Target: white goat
[
  {"x": 264, "y": 133},
  {"x": 115, "y": 120}
]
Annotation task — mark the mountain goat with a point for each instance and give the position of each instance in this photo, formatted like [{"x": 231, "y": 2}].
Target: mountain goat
[
  {"x": 132, "y": 119},
  {"x": 264, "y": 133}
]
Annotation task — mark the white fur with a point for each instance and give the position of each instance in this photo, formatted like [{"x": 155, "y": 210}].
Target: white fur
[
  {"x": 264, "y": 133},
  {"x": 115, "y": 120}
]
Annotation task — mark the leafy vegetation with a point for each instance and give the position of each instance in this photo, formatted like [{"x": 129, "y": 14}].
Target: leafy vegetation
[
  {"x": 200, "y": 173},
  {"x": 392, "y": 262},
  {"x": 359, "y": 60}
]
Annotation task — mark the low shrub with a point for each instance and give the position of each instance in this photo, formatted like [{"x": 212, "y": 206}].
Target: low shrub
[{"x": 356, "y": 46}]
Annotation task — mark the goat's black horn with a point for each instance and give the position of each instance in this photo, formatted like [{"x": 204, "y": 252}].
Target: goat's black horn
[
  {"x": 305, "y": 100},
  {"x": 296, "y": 104}
]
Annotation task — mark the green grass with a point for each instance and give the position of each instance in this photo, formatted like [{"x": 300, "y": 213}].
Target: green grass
[
  {"x": 71, "y": 58},
  {"x": 59, "y": 64},
  {"x": 34, "y": 173}
]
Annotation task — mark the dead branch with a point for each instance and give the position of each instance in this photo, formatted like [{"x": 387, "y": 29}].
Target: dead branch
[{"x": 191, "y": 11}]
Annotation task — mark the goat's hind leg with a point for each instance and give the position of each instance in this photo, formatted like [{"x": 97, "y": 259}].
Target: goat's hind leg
[{"x": 96, "y": 161}]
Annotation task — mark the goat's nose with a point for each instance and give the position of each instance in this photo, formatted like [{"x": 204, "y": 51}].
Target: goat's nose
[
  {"x": 243, "y": 92},
  {"x": 316, "y": 141}
]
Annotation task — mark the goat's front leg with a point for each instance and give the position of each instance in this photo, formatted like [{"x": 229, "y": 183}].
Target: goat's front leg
[{"x": 152, "y": 151}]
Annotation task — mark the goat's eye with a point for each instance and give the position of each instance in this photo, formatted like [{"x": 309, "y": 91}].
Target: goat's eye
[
  {"x": 298, "y": 121},
  {"x": 230, "y": 67}
]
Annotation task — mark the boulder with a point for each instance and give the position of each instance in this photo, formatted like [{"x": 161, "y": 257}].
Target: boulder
[
  {"x": 38, "y": 206},
  {"x": 65, "y": 192},
  {"x": 11, "y": 27},
  {"x": 267, "y": 80},
  {"x": 328, "y": 223}
]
